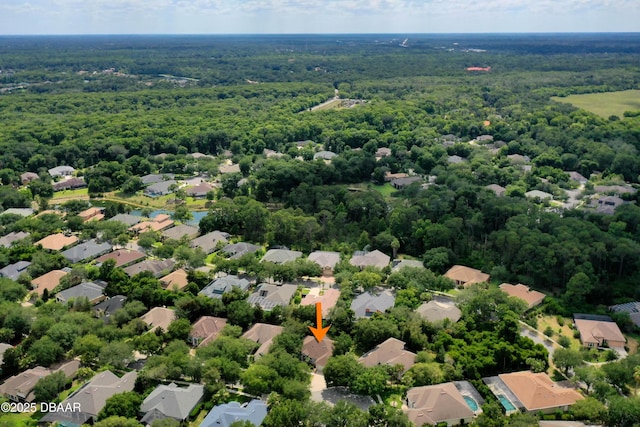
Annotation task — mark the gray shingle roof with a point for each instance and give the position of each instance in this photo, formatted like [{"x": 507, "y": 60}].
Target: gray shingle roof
[
  {"x": 225, "y": 415},
  {"x": 366, "y": 304},
  {"x": 7, "y": 241},
  {"x": 209, "y": 241},
  {"x": 127, "y": 219},
  {"x": 269, "y": 296},
  {"x": 172, "y": 401},
  {"x": 13, "y": 271},
  {"x": 237, "y": 250},
  {"x": 177, "y": 232},
  {"x": 280, "y": 256},
  {"x": 90, "y": 290},
  {"x": 156, "y": 267},
  {"x": 87, "y": 250},
  {"x": 216, "y": 288}
]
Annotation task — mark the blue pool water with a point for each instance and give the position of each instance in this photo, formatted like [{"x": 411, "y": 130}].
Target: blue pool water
[
  {"x": 508, "y": 406},
  {"x": 471, "y": 403}
]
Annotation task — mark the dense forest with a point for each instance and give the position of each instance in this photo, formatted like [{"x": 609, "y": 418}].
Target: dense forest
[{"x": 116, "y": 108}]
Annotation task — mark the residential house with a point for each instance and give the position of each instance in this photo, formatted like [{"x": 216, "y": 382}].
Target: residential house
[
  {"x": 608, "y": 204},
  {"x": 91, "y": 398},
  {"x": 92, "y": 214},
  {"x": 317, "y": 353},
  {"x": 199, "y": 191},
  {"x": 529, "y": 296},
  {"x": 27, "y": 177},
  {"x": 24, "y": 212},
  {"x": 576, "y": 176},
  {"x": 126, "y": 219},
  {"x": 69, "y": 184},
  {"x": 280, "y": 256},
  {"x": 484, "y": 138},
  {"x": 436, "y": 404},
  {"x": 158, "y": 317},
  {"x": 159, "y": 223},
  {"x": 171, "y": 401},
  {"x": 229, "y": 168},
  {"x": 57, "y": 242},
  {"x": 19, "y": 388},
  {"x": 160, "y": 188},
  {"x": 436, "y": 311},
  {"x": 48, "y": 281},
  {"x": 383, "y": 152},
  {"x": 221, "y": 285},
  {"x": 180, "y": 231},
  {"x": 206, "y": 330},
  {"x": 86, "y": 251},
  {"x": 9, "y": 239},
  {"x": 13, "y": 271},
  {"x": 391, "y": 352},
  {"x": 263, "y": 334},
  {"x": 466, "y": 276},
  {"x": 228, "y": 413},
  {"x": 370, "y": 259},
  {"x": 237, "y": 250},
  {"x": 92, "y": 291},
  {"x": 198, "y": 155},
  {"x": 269, "y": 296},
  {"x": 156, "y": 267},
  {"x": 537, "y": 194},
  {"x": 455, "y": 159},
  {"x": 598, "y": 331},
  {"x": 60, "y": 171},
  {"x": 388, "y": 176},
  {"x": 209, "y": 242},
  {"x": 154, "y": 178},
  {"x": 632, "y": 308},
  {"x": 326, "y": 260},
  {"x": 615, "y": 189},
  {"x": 497, "y": 189},
  {"x": 324, "y": 155},
  {"x": 176, "y": 280},
  {"x": 399, "y": 264},
  {"x": 109, "y": 306},
  {"x": 366, "y": 304},
  {"x": 533, "y": 392},
  {"x": 327, "y": 297},
  {"x": 122, "y": 257},
  {"x": 401, "y": 183}
]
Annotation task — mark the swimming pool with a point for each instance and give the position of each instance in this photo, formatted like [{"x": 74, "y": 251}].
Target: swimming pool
[
  {"x": 471, "y": 403},
  {"x": 506, "y": 403}
]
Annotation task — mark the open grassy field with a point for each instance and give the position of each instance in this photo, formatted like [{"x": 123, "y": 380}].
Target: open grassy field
[{"x": 605, "y": 104}]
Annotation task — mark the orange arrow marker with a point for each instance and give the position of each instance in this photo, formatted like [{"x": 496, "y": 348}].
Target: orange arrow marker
[{"x": 319, "y": 332}]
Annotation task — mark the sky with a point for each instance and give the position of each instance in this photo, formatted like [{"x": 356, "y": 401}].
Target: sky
[{"x": 315, "y": 16}]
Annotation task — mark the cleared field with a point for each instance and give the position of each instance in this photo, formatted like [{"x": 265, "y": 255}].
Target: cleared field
[{"x": 605, "y": 104}]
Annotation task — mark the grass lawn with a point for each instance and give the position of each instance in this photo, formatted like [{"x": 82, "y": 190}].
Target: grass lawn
[
  {"x": 552, "y": 321},
  {"x": 18, "y": 420},
  {"x": 80, "y": 193},
  {"x": 605, "y": 104},
  {"x": 330, "y": 105},
  {"x": 386, "y": 189}
]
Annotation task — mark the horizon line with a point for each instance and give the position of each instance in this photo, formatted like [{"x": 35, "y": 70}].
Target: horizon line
[{"x": 324, "y": 34}]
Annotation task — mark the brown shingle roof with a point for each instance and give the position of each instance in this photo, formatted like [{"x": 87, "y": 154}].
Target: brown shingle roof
[
  {"x": 176, "y": 280},
  {"x": 207, "y": 329},
  {"x": 391, "y": 352},
  {"x": 263, "y": 334},
  {"x": 595, "y": 331},
  {"x": 122, "y": 257},
  {"x": 318, "y": 352},
  {"x": 328, "y": 299},
  {"x": 466, "y": 276},
  {"x": 56, "y": 242},
  {"x": 538, "y": 391},
  {"x": 531, "y": 297},
  {"x": 159, "y": 317},
  {"x": 436, "y": 403},
  {"x": 48, "y": 281}
]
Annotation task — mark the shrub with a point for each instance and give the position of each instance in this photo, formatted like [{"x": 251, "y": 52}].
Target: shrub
[{"x": 548, "y": 331}]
